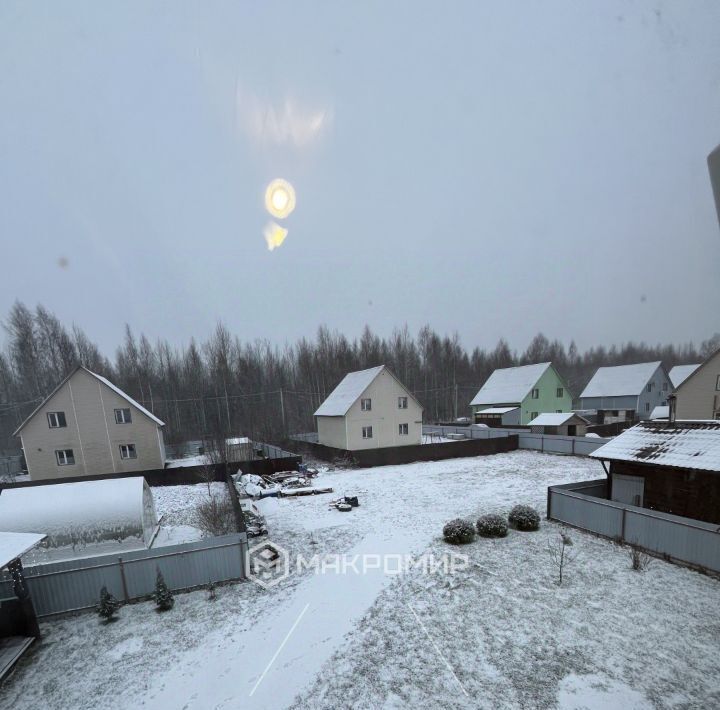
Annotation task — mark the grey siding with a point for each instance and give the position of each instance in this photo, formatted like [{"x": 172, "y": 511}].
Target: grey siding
[{"x": 698, "y": 396}]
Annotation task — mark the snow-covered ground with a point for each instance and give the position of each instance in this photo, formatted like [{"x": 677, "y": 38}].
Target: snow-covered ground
[{"x": 499, "y": 633}]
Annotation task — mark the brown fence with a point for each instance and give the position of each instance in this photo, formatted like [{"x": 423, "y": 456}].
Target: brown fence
[
  {"x": 392, "y": 455},
  {"x": 181, "y": 476}
]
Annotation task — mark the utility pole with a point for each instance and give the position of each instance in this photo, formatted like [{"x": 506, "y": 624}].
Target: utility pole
[
  {"x": 456, "y": 401},
  {"x": 282, "y": 412}
]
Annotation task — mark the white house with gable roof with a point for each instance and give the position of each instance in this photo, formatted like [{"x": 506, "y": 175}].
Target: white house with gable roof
[
  {"x": 370, "y": 409},
  {"x": 88, "y": 426}
]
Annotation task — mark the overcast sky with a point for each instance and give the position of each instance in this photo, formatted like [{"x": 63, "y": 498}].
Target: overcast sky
[{"x": 495, "y": 168}]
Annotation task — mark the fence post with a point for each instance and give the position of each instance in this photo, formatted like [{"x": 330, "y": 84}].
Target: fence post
[
  {"x": 573, "y": 446},
  {"x": 622, "y": 529},
  {"x": 123, "y": 580}
]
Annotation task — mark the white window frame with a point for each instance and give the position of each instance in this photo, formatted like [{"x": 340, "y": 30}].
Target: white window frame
[
  {"x": 717, "y": 384},
  {"x": 534, "y": 415},
  {"x": 558, "y": 411},
  {"x": 62, "y": 457},
  {"x": 647, "y": 406},
  {"x": 535, "y": 393},
  {"x": 54, "y": 417},
  {"x": 560, "y": 392},
  {"x": 367, "y": 432},
  {"x": 120, "y": 415},
  {"x": 402, "y": 402},
  {"x": 650, "y": 386},
  {"x": 126, "y": 453},
  {"x": 366, "y": 404},
  {"x": 406, "y": 428}
]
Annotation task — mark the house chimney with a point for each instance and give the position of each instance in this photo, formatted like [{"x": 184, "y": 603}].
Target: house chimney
[{"x": 672, "y": 401}]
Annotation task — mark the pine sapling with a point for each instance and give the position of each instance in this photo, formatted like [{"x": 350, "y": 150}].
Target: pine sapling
[
  {"x": 163, "y": 597},
  {"x": 108, "y": 605}
]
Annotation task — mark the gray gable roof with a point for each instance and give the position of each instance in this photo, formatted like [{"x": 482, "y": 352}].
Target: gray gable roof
[{"x": 619, "y": 381}]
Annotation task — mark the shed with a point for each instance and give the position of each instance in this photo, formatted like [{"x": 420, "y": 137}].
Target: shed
[
  {"x": 670, "y": 467},
  {"x": 498, "y": 416},
  {"x": 562, "y": 423},
  {"x": 84, "y": 514}
]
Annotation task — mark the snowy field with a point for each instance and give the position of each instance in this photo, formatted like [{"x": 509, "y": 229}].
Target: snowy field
[{"x": 500, "y": 633}]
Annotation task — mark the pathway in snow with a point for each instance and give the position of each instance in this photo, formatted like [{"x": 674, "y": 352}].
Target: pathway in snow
[{"x": 306, "y": 630}]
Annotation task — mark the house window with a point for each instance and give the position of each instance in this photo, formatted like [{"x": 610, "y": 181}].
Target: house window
[
  {"x": 367, "y": 432},
  {"x": 65, "y": 457},
  {"x": 717, "y": 384},
  {"x": 403, "y": 429},
  {"x": 533, "y": 415},
  {"x": 56, "y": 420},
  {"x": 123, "y": 416},
  {"x": 402, "y": 402},
  {"x": 127, "y": 451},
  {"x": 536, "y": 394},
  {"x": 647, "y": 406},
  {"x": 665, "y": 386},
  {"x": 560, "y": 392},
  {"x": 650, "y": 386},
  {"x": 558, "y": 411},
  {"x": 366, "y": 405}
]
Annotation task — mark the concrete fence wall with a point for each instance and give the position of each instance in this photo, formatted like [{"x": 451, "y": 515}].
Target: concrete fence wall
[
  {"x": 74, "y": 585},
  {"x": 679, "y": 539}
]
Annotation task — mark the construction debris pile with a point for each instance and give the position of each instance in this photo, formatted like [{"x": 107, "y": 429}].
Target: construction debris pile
[{"x": 278, "y": 485}]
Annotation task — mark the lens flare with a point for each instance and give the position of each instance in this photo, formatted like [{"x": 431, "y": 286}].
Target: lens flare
[
  {"x": 274, "y": 235},
  {"x": 280, "y": 198}
]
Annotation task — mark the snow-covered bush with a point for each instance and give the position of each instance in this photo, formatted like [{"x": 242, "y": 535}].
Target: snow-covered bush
[
  {"x": 458, "y": 532},
  {"x": 163, "y": 596},
  {"x": 108, "y": 605},
  {"x": 492, "y": 526},
  {"x": 523, "y": 517}
]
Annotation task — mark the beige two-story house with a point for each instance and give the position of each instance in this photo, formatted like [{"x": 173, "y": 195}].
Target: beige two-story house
[
  {"x": 88, "y": 426},
  {"x": 698, "y": 396},
  {"x": 369, "y": 409}
]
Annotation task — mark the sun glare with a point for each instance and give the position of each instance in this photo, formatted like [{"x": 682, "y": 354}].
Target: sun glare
[{"x": 280, "y": 198}]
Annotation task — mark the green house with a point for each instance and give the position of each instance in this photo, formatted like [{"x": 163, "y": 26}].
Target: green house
[{"x": 515, "y": 395}]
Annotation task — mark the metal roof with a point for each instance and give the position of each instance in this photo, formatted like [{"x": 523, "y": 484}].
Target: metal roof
[
  {"x": 619, "y": 381},
  {"x": 694, "y": 445},
  {"x": 555, "y": 419},
  {"x": 498, "y": 410},
  {"x": 510, "y": 385},
  {"x": 14, "y": 545},
  {"x": 680, "y": 373},
  {"x": 349, "y": 390}
]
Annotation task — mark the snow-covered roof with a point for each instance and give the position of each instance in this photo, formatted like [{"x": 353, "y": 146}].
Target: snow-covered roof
[
  {"x": 510, "y": 385},
  {"x": 126, "y": 397},
  {"x": 680, "y": 373},
  {"x": 660, "y": 412},
  {"x": 555, "y": 419},
  {"x": 237, "y": 440},
  {"x": 497, "y": 410},
  {"x": 621, "y": 380},
  {"x": 102, "y": 379},
  {"x": 693, "y": 445},
  {"x": 349, "y": 390},
  {"x": 14, "y": 545}
]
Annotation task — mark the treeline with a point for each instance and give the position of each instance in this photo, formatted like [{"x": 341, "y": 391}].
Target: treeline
[{"x": 264, "y": 391}]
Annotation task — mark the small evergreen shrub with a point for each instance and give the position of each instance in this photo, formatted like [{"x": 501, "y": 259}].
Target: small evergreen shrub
[
  {"x": 108, "y": 605},
  {"x": 458, "y": 532},
  {"x": 163, "y": 597},
  {"x": 492, "y": 526},
  {"x": 523, "y": 517}
]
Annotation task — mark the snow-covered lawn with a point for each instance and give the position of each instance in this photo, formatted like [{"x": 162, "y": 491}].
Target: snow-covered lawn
[{"x": 609, "y": 637}]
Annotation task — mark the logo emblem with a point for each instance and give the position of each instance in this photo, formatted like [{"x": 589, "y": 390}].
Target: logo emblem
[{"x": 268, "y": 564}]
